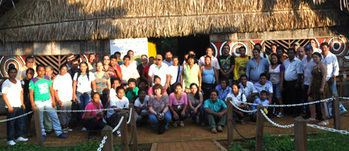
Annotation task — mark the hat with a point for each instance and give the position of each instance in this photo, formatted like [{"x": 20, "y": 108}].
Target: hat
[
  {"x": 308, "y": 47},
  {"x": 296, "y": 43}
]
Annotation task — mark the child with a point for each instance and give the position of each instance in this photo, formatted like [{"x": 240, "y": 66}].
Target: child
[
  {"x": 132, "y": 91},
  {"x": 143, "y": 84},
  {"x": 141, "y": 105},
  {"x": 112, "y": 93},
  {"x": 262, "y": 100}
]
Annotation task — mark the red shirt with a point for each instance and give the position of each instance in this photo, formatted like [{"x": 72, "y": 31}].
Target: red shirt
[{"x": 146, "y": 70}]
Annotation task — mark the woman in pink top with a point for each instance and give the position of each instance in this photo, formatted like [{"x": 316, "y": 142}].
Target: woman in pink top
[
  {"x": 93, "y": 120},
  {"x": 178, "y": 105}
]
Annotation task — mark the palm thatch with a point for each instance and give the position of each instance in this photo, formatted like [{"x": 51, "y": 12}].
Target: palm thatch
[{"x": 59, "y": 20}]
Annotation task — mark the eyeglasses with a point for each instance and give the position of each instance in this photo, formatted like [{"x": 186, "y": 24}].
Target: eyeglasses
[{"x": 158, "y": 59}]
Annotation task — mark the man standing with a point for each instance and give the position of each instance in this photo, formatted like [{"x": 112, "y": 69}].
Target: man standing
[
  {"x": 332, "y": 67},
  {"x": 308, "y": 66},
  {"x": 227, "y": 63},
  {"x": 241, "y": 63},
  {"x": 215, "y": 109},
  {"x": 256, "y": 66},
  {"x": 70, "y": 58},
  {"x": 40, "y": 89},
  {"x": 301, "y": 53},
  {"x": 160, "y": 69},
  {"x": 168, "y": 58},
  {"x": 292, "y": 84},
  {"x": 214, "y": 61},
  {"x": 74, "y": 67},
  {"x": 29, "y": 63}
]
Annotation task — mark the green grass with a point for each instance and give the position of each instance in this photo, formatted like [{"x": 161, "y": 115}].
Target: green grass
[{"x": 86, "y": 146}]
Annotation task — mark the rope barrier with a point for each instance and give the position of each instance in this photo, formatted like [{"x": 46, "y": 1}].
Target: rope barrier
[
  {"x": 102, "y": 143},
  {"x": 294, "y": 105},
  {"x": 242, "y": 110},
  {"x": 328, "y": 129},
  {"x": 13, "y": 118},
  {"x": 275, "y": 124},
  {"x": 117, "y": 126},
  {"x": 129, "y": 117}
]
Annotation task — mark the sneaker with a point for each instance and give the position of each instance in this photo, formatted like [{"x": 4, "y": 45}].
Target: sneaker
[
  {"x": 213, "y": 130},
  {"x": 175, "y": 124},
  {"x": 219, "y": 128},
  {"x": 21, "y": 139},
  {"x": 43, "y": 137},
  {"x": 84, "y": 129},
  {"x": 62, "y": 136},
  {"x": 181, "y": 123},
  {"x": 118, "y": 133},
  {"x": 279, "y": 114},
  {"x": 11, "y": 143},
  {"x": 65, "y": 130},
  {"x": 69, "y": 129}
]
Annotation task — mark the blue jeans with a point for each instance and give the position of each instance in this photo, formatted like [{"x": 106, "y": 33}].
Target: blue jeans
[
  {"x": 333, "y": 87},
  {"x": 14, "y": 127},
  {"x": 47, "y": 105},
  {"x": 202, "y": 114},
  {"x": 83, "y": 100},
  {"x": 154, "y": 120}
]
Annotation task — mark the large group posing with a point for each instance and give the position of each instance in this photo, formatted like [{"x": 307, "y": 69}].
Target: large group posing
[{"x": 163, "y": 91}]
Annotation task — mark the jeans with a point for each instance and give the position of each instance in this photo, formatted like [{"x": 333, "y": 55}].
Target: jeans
[
  {"x": 154, "y": 120},
  {"x": 14, "y": 127},
  {"x": 214, "y": 120},
  {"x": 64, "y": 117},
  {"x": 180, "y": 117},
  {"x": 202, "y": 114},
  {"x": 333, "y": 87},
  {"x": 83, "y": 100},
  {"x": 47, "y": 105}
]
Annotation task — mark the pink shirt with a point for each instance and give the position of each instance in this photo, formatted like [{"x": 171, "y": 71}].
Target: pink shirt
[
  {"x": 178, "y": 104},
  {"x": 90, "y": 106}
]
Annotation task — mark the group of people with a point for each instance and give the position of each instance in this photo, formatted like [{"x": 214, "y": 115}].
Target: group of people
[{"x": 164, "y": 91}]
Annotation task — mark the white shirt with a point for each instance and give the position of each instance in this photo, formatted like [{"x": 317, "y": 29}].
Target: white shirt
[
  {"x": 238, "y": 100},
  {"x": 64, "y": 86},
  {"x": 162, "y": 72},
  {"x": 214, "y": 62},
  {"x": 268, "y": 86},
  {"x": 317, "y": 50},
  {"x": 13, "y": 92},
  {"x": 174, "y": 73},
  {"x": 308, "y": 67},
  {"x": 168, "y": 63},
  {"x": 292, "y": 69},
  {"x": 112, "y": 94},
  {"x": 145, "y": 103},
  {"x": 129, "y": 72},
  {"x": 118, "y": 103},
  {"x": 249, "y": 89},
  {"x": 332, "y": 65},
  {"x": 84, "y": 84}
]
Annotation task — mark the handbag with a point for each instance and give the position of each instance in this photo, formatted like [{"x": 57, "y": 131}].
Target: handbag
[{"x": 329, "y": 108}]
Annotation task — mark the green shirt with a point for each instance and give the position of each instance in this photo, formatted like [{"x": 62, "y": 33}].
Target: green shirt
[
  {"x": 191, "y": 75},
  {"x": 131, "y": 94},
  {"x": 41, "y": 88},
  {"x": 218, "y": 106}
]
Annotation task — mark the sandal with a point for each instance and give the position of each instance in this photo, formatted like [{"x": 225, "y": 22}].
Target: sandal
[
  {"x": 323, "y": 123},
  {"x": 310, "y": 120}
]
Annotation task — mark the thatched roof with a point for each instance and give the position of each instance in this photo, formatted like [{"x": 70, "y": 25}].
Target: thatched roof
[{"x": 59, "y": 20}]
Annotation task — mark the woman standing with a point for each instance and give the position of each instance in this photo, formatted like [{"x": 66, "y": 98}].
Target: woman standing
[
  {"x": 191, "y": 74},
  {"x": 102, "y": 79},
  {"x": 106, "y": 66},
  {"x": 318, "y": 88},
  {"x": 159, "y": 114},
  {"x": 195, "y": 101},
  {"x": 25, "y": 86},
  {"x": 209, "y": 77},
  {"x": 63, "y": 93},
  {"x": 178, "y": 105},
  {"x": 276, "y": 74}
]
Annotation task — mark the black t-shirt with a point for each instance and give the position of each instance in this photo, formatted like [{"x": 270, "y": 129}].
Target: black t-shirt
[
  {"x": 140, "y": 69},
  {"x": 225, "y": 62}
]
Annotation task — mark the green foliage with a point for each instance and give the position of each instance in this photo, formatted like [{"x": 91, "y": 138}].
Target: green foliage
[
  {"x": 278, "y": 143},
  {"x": 236, "y": 147},
  {"x": 328, "y": 141},
  {"x": 87, "y": 146}
]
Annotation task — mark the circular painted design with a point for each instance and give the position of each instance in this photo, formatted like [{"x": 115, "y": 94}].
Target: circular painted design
[
  {"x": 215, "y": 49},
  {"x": 234, "y": 49},
  {"x": 221, "y": 48},
  {"x": 316, "y": 42},
  {"x": 338, "y": 45},
  {"x": 83, "y": 58},
  {"x": 5, "y": 63}
]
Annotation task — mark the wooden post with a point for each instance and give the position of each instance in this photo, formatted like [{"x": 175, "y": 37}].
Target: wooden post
[
  {"x": 230, "y": 120},
  {"x": 108, "y": 131},
  {"x": 123, "y": 130},
  {"x": 38, "y": 129},
  {"x": 300, "y": 134},
  {"x": 336, "y": 114},
  {"x": 134, "y": 127},
  {"x": 259, "y": 131}
]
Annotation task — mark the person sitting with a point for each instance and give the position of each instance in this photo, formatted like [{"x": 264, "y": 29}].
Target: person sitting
[
  {"x": 178, "y": 105},
  {"x": 93, "y": 120},
  {"x": 121, "y": 103},
  {"x": 132, "y": 91},
  {"x": 261, "y": 100},
  {"x": 159, "y": 115},
  {"x": 247, "y": 88},
  {"x": 215, "y": 109},
  {"x": 264, "y": 84},
  {"x": 143, "y": 84},
  {"x": 112, "y": 93},
  {"x": 223, "y": 89},
  {"x": 239, "y": 100},
  {"x": 157, "y": 80},
  {"x": 195, "y": 101},
  {"x": 141, "y": 105}
]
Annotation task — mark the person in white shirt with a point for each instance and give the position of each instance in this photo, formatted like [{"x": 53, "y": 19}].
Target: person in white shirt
[
  {"x": 132, "y": 61},
  {"x": 292, "y": 84},
  {"x": 247, "y": 88},
  {"x": 160, "y": 69},
  {"x": 112, "y": 93},
  {"x": 12, "y": 94},
  {"x": 214, "y": 60},
  {"x": 168, "y": 58},
  {"x": 314, "y": 45},
  {"x": 264, "y": 84},
  {"x": 64, "y": 93},
  {"x": 128, "y": 71},
  {"x": 176, "y": 72},
  {"x": 332, "y": 67},
  {"x": 239, "y": 100},
  {"x": 141, "y": 104},
  {"x": 308, "y": 66},
  {"x": 29, "y": 63}
]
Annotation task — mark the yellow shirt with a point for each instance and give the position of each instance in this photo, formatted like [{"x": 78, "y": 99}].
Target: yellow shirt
[{"x": 240, "y": 66}]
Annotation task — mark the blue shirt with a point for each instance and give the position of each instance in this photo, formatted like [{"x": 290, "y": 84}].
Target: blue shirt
[
  {"x": 254, "y": 70},
  {"x": 218, "y": 106},
  {"x": 259, "y": 101},
  {"x": 222, "y": 94}
]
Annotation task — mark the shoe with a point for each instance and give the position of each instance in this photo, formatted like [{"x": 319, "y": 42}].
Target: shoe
[
  {"x": 84, "y": 129},
  {"x": 118, "y": 133},
  {"x": 21, "y": 139},
  {"x": 62, "y": 136},
  {"x": 65, "y": 130},
  {"x": 175, "y": 124},
  {"x": 279, "y": 114},
  {"x": 43, "y": 137},
  {"x": 181, "y": 123},
  {"x": 69, "y": 129},
  {"x": 219, "y": 128},
  {"x": 213, "y": 130},
  {"x": 11, "y": 143},
  {"x": 323, "y": 123},
  {"x": 310, "y": 120}
]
